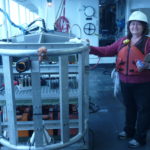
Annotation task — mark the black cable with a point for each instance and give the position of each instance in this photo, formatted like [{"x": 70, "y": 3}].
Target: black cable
[
  {"x": 39, "y": 19},
  {"x": 91, "y": 147},
  {"x": 36, "y": 28},
  {"x": 93, "y": 108},
  {"x": 6, "y": 40},
  {"x": 92, "y": 138},
  {"x": 44, "y": 25}
]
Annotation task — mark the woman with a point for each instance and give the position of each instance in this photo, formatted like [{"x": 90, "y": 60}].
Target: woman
[{"x": 134, "y": 77}]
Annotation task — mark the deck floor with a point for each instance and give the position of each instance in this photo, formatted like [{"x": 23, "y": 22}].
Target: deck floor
[{"x": 109, "y": 119}]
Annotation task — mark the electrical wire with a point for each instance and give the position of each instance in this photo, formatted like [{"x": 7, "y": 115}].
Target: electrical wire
[
  {"x": 94, "y": 66},
  {"x": 39, "y": 19},
  {"x": 25, "y": 31},
  {"x": 92, "y": 138},
  {"x": 12, "y": 23}
]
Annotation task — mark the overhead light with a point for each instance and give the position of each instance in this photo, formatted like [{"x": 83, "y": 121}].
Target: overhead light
[{"x": 49, "y": 3}]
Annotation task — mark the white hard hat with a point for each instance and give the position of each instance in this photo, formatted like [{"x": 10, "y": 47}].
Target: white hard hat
[{"x": 139, "y": 16}]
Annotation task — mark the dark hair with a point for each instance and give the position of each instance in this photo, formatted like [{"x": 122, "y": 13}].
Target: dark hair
[{"x": 145, "y": 29}]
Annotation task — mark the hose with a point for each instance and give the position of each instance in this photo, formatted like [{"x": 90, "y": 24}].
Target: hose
[
  {"x": 12, "y": 23},
  {"x": 62, "y": 24}
]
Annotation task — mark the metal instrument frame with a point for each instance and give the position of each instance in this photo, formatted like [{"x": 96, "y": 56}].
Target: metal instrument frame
[{"x": 7, "y": 51}]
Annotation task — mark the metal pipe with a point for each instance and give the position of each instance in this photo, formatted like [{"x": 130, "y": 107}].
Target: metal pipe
[
  {"x": 52, "y": 52},
  {"x": 57, "y": 146}
]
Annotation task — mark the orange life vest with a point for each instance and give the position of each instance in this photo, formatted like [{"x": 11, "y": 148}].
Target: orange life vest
[{"x": 127, "y": 58}]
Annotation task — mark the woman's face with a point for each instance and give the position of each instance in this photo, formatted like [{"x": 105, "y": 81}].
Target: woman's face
[{"x": 136, "y": 28}]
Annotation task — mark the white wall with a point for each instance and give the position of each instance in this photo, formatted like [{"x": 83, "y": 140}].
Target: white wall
[
  {"x": 143, "y": 5},
  {"x": 140, "y": 4},
  {"x": 94, "y": 39},
  {"x": 75, "y": 14}
]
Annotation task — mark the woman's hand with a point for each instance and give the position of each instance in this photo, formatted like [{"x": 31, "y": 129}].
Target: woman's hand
[{"x": 42, "y": 53}]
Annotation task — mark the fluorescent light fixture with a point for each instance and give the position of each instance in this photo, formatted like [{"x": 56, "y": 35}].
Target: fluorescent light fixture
[{"x": 49, "y": 3}]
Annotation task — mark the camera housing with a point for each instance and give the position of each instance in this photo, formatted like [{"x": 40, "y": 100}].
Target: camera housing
[{"x": 23, "y": 64}]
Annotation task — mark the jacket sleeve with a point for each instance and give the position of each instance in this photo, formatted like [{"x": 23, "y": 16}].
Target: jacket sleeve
[{"x": 110, "y": 50}]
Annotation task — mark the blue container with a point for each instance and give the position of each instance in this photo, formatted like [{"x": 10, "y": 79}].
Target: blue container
[{"x": 139, "y": 63}]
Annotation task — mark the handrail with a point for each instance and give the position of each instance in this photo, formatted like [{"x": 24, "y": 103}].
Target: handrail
[{"x": 31, "y": 49}]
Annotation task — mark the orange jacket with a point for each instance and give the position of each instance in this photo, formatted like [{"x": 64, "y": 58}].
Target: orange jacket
[{"x": 127, "y": 58}]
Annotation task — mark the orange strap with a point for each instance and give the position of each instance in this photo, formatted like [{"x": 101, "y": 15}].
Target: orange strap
[{"x": 146, "y": 46}]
